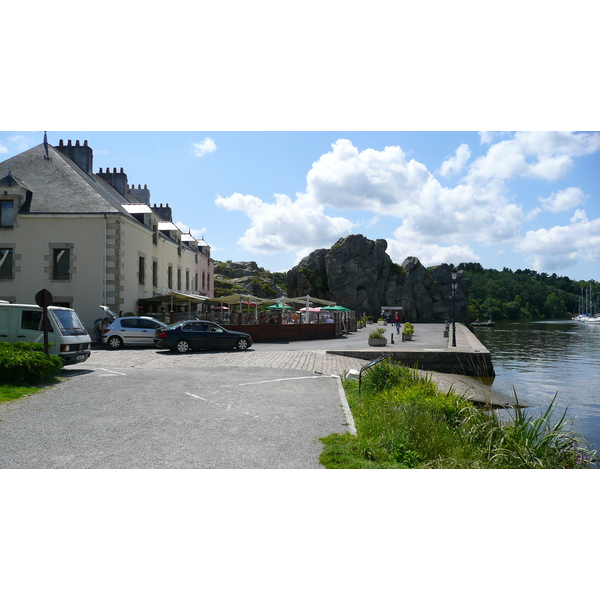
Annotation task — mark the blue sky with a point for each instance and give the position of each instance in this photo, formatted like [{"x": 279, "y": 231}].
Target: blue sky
[{"x": 517, "y": 200}]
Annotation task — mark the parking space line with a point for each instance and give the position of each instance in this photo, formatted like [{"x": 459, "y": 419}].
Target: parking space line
[
  {"x": 110, "y": 373},
  {"x": 282, "y": 379}
]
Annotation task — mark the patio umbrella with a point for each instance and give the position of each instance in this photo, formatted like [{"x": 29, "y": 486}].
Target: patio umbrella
[
  {"x": 279, "y": 306},
  {"x": 336, "y": 307},
  {"x": 310, "y": 309}
]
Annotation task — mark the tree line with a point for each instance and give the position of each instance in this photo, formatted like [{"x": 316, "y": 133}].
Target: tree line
[{"x": 524, "y": 293}]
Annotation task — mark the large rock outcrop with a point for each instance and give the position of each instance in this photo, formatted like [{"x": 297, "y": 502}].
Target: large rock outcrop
[{"x": 359, "y": 274}]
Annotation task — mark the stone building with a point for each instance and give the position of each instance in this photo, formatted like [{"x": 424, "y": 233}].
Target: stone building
[{"x": 90, "y": 238}]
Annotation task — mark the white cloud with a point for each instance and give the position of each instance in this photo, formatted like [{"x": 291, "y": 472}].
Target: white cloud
[
  {"x": 456, "y": 163},
  {"x": 563, "y": 245},
  {"x": 430, "y": 254},
  {"x": 434, "y": 222},
  {"x": 543, "y": 155},
  {"x": 206, "y": 146},
  {"x": 16, "y": 143},
  {"x": 563, "y": 200},
  {"x": 286, "y": 224},
  {"x": 20, "y": 142}
]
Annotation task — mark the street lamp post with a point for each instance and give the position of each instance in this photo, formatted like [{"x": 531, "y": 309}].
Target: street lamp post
[{"x": 454, "y": 284}]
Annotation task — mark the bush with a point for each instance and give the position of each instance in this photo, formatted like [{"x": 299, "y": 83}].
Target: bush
[
  {"x": 377, "y": 334},
  {"x": 24, "y": 363}
]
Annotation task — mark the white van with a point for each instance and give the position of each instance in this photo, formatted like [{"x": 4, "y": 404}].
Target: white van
[{"x": 67, "y": 337}]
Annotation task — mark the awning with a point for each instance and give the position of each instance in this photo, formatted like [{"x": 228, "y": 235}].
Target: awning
[
  {"x": 174, "y": 296},
  {"x": 237, "y": 298}
]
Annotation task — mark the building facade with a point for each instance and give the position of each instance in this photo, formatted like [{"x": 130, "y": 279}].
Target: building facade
[{"x": 90, "y": 238}]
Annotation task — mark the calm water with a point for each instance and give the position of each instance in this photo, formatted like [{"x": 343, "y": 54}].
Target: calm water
[{"x": 541, "y": 359}]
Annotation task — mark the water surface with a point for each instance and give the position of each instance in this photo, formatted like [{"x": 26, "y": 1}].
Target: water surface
[{"x": 544, "y": 359}]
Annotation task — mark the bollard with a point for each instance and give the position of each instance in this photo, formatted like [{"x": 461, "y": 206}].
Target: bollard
[
  {"x": 403, "y": 336},
  {"x": 392, "y": 339}
]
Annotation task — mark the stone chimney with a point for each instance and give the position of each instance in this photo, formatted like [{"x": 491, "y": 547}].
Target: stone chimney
[
  {"x": 141, "y": 195},
  {"x": 82, "y": 156},
  {"x": 117, "y": 180},
  {"x": 164, "y": 212}
]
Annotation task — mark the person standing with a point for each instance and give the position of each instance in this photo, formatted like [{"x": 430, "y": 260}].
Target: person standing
[{"x": 397, "y": 321}]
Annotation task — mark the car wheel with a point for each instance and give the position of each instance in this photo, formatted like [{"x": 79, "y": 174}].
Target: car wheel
[
  {"x": 115, "y": 342},
  {"x": 242, "y": 344},
  {"x": 182, "y": 346}
]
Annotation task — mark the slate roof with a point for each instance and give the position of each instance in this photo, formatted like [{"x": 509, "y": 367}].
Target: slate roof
[{"x": 60, "y": 186}]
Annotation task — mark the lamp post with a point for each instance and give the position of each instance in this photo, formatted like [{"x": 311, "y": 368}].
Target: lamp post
[{"x": 454, "y": 284}]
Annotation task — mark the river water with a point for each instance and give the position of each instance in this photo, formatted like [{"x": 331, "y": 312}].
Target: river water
[{"x": 543, "y": 359}]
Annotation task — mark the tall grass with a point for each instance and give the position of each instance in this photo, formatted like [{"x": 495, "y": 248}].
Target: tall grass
[{"x": 402, "y": 421}]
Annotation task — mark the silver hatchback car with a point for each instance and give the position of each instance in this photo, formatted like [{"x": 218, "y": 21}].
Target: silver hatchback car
[{"x": 131, "y": 331}]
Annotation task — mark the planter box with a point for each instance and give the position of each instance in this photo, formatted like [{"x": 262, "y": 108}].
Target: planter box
[{"x": 377, "y": 341}]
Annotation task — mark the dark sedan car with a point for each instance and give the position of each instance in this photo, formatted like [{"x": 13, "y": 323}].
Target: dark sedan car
[{"x": 191, "y": 335}]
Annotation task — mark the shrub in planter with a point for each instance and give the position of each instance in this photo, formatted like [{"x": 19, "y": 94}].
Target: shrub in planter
[
  {"x": 377, "y": 337},
  {"x": 24, "y": 363},
  {"x": 408, "y": 331}
]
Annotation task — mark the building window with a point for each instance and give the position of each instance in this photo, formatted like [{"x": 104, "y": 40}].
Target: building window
[
  {"x": 61, "y": 263},
  {"x": 154, "y": 273},
  {"x": 179, "y": 279},
  {"x": 155, "y": 234},
  {"x": 203, "y": 281},
  {"x": 187, "y": 281},
  {"x": 7, "y": 213},
  {"x": 6, "y": 263},
  {"x": 170, "y": 277},
  {"x": 196, "y": 283},
  {"x": 141, "y": 270},
  {"x": 208, "y": 282}
]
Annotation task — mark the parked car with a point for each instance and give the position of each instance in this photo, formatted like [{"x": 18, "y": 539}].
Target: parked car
[
  {"x": 131, "y": 331},
  {"x": 191, "y": 335}
]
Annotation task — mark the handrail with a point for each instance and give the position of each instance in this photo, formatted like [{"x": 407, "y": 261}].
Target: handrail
[{"x": 368, "y": 366}]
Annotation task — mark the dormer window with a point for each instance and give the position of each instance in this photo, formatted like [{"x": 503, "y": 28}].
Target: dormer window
[{"x": 7, "y": 213}]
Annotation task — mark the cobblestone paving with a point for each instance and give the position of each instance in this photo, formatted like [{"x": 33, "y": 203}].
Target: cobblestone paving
[{"x": 147, "y": 358}]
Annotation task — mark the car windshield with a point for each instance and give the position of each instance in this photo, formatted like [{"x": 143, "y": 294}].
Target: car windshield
[{"x": 69, "y": 322}]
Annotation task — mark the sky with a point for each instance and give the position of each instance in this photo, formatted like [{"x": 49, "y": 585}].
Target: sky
[{"x": 503, "y": 199}]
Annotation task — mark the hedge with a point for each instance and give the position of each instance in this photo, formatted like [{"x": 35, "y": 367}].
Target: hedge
[{"x": 25, "y": 363}]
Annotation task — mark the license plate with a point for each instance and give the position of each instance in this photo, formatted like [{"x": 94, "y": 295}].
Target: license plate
[{"x": 81, "y": 357}]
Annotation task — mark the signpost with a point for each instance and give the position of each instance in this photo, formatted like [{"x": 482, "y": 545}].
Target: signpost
[{"x": 44, "y": 299}]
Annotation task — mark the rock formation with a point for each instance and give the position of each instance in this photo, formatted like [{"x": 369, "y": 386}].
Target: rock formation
[
  {"x": 359, "y": 274},
  {"x": 245, "y": 278}
]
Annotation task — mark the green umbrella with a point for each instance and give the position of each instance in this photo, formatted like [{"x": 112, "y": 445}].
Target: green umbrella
[
  {"x": 335, "y": 307},
  {"x": 279, "y": 306}
]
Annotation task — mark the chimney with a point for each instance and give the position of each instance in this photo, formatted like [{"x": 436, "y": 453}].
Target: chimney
[
  {"x": 165, "y": 213},
  {"x": 82, "y": 156},
  {"x": 141, "y": 195},
  {"x": 117, "y": 180}
]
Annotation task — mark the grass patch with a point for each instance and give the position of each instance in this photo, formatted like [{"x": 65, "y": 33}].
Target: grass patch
[
  {"x": 402, "y": 421},
  {"x": 9, "y": 392}
]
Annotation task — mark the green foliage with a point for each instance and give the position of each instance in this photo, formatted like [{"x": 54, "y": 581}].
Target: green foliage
[
  {"x": 279, "y": 279},
  {"x": 24, "y": 364},
  {"x": 408, "y": 328},
  {"x": 11, "y": 392},
  {"x": 522, "y": 294},
  {"x": 377, "y": 334},
  {"x": 402, "y": 421}
]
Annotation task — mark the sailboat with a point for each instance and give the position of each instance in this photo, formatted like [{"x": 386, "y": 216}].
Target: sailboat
[{"x": 488, "y": 323}]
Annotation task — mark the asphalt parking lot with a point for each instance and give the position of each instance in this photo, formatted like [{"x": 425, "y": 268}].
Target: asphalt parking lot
[{"x": 149, "y": 409}]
